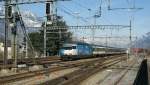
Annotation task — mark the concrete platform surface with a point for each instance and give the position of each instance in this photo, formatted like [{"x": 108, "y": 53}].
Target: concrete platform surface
[{"x": 123, "y": 73}]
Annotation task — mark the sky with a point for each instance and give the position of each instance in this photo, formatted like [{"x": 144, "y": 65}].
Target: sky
[
  {"x": 73, "y": 8},
  {"x": 140, "y": 18}
]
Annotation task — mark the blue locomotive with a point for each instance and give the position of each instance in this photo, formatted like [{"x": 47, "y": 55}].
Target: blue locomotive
[
  {"x": 78, "y": 50},
  {"x": 75, "y": 50}
]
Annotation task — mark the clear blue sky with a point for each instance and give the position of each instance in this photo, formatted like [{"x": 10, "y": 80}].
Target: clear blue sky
[{"x": 140, "y": 23}]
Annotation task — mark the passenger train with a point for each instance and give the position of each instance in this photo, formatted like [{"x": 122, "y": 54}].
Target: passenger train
[{"x": 78, "y": 50}]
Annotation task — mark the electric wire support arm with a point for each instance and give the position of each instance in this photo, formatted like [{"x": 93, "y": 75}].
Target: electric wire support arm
[
  {"x": 133, "y": 8},
  {"x": 21, "y": 2}
]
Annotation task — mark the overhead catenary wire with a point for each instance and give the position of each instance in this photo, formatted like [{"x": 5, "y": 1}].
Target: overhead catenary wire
[
  {"x": 131, "y": 6},
  {"x": 23, "y": 2},
  {"x": 128, "y": 2},
  {"x": 33, "y": 2},
  {"x": 71, "y": 14},
  {"x": 82, "y": 6},
  {"x": 97, "y": 14},
  {"x": 82, "y": 18}
]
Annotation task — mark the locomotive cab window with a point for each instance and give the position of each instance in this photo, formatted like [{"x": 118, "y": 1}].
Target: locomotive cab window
[
  {"x": 73, "y": 47},
  {"x": 67, "y": 48}
]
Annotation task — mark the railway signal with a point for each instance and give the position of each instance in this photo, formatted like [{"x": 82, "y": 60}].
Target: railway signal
[{"x": 50, "y": 19}]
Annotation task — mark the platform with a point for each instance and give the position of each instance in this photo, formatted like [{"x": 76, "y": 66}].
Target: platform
[
  {"x": 143, "y": 75},
  {"x": 120, "y": 74},
  {"x": 148, "y": 68}
]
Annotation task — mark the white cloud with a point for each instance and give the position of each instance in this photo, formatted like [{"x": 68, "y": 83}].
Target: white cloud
[{"x": 30, "y": 19}]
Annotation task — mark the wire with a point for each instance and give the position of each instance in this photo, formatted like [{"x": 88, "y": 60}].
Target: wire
[
  {"x": 82, "y": 6},
  {"x": 101, "y": 1},
  {"x": 64, "y": 10},
  {"x": 67, "y": 8},
  {"x": 128, "y": 2},
  {"x": 33, "y": 2}
]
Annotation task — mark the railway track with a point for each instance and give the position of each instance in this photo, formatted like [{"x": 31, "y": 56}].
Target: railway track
[
  {"x": 31, "y": 61},
  {"x": 12, "y": 78},
  {"x": 84, "y": 72},
  {"x": 41, "y": 61},
  {"x": 131, "y": 64},
  {"x": 17, "y": 77}
]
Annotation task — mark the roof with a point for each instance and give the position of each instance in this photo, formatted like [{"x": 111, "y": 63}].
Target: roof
[{"x": 76, "y": 42}]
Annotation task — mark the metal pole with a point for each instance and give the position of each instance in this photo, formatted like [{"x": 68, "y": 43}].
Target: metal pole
[
  {"x": 26, "y": 49},
  {"x": 77, "y": 23},
  {"x": 48, "y": 14},
  {"x": 14, "y": 37},
  {"x": 93, "y": 30},
  {"x": 44, "y": 41},
  {"x": 130, "y": 43},
  {"x": 89, "y": 15},
  {"x": 14, "y": 43},
  {"x": 44, "y": 29},
  {"x": 77, "y": 18},
  {"x": 94, "y": 20},
  {"x": 60, "y": 35},
  {"x": 130, "y": 37},
  {"x": 6, "y": 34}
]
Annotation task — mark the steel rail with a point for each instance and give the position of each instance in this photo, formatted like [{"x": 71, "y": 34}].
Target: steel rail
[{"x": 76, "y": 77}]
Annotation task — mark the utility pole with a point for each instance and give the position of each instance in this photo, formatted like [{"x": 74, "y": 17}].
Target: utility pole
[
  {"x": 45, "y": 41},
  {"x": 106, "y": 48},
  {"x": 130, "y": 42},
  {"x": 6, "y": 34},
  {"x": 77, "y": 24},
  {"x": 97, "y": 15},
  {"x": 77, "y": 16},
  {"x": 49, "y": 18},
  {"x": 13, "y": 26},
  {"x": 26, "y": 49},
  {"x": 48, "y": 22},
  {"x": 130, "y": 37},
  {"x": 93, "y": 29},
  {"x": 89, "y": 17}
]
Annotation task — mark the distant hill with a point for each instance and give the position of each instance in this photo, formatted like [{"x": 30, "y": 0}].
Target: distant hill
[{"x": 143, "y": 42}]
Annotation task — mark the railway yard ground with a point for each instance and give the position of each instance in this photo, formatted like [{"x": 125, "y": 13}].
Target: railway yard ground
[
  {"x": 122, "y": 73},
  {"x": 112, "y": 70}
]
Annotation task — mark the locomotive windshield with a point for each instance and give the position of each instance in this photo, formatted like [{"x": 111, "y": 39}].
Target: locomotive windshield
[
  {"x": 73, "y": 47},
  {"x": 69, "y": 48}
]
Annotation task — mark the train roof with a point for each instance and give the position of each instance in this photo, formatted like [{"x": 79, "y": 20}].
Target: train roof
[
  {"x": 101, "y": 46},
  {"x": 74, "y": 44}
]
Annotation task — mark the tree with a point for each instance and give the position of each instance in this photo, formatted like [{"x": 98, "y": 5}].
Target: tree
[
  {"x": 37, "y": 41},
  {"x": 55, "y": 38}
]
